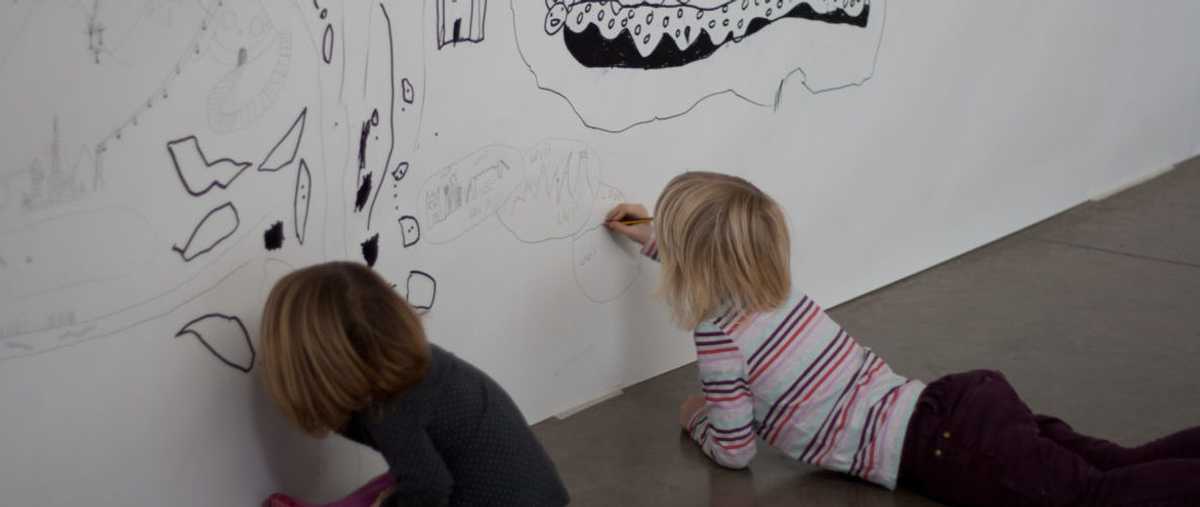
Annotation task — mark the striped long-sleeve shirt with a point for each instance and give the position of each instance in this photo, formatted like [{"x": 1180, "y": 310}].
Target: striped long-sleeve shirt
[{"x": 794, "y": 378}]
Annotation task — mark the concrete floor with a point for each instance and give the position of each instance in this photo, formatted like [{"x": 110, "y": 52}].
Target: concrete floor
[{"x": 1094, "y": 316}]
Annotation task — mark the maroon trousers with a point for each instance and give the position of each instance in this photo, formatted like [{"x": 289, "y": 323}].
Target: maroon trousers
[{"x": 972, "y": 442}]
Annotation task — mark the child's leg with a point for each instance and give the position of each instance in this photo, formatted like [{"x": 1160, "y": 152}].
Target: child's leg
[
  {"x": 1106, "y": 455},
  {"x": 977, "y": 444}
]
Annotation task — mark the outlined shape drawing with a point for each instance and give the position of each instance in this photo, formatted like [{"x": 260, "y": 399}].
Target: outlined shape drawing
[
  {"x": 196, "y": 172},
  {"x": 461, "y": 196},
  {"x": 623, "y": 63},
  {"x": 460, "y": 21},
  {"x": 225, "y": 337},
  {"x": 217, "y": 226},
  {"x": 410, "y": 230},
  {"x": 400, "y": 171},
  {"x": 302, "y": 201},
  {"x": 420, "y": 290},
  {"x": 290, "y": 144}
]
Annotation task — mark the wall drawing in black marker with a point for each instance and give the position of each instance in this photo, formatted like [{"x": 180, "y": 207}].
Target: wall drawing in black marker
[
  {"x": 407, "y": 93},
  {"x": 460, "y": 21},
  {"x": 597, "y": 53},
  {"x": 217, "y": 226},
  {"x": 656, "y": 35},
  {"x": 196, "y": 172},
  {"x": 273, "y": 237},
  {"x": 364, "y": 192},
  {"x": 284, "y": 152},
  {"x": 223, "y": 336},
  {"x": 258, "y": 53},
  {"x": 302, "y": 201},
  {"x": 370, "y": 250},
  {"x": 420, "y": 290},
  {"x": 410, "y": 230}
]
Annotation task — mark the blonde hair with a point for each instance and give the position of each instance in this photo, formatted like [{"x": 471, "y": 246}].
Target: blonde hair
[
  {"x": 335, "y": 338},
  {"x": 721, "y": 241}
]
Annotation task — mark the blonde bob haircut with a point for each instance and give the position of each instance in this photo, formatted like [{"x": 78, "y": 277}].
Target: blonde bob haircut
[
  {"x": 336, "y": 338},
  {"x": 721, "y": 241}
]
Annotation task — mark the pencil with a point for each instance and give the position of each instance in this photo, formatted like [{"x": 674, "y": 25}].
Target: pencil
[{"x": 636, "y": 221}]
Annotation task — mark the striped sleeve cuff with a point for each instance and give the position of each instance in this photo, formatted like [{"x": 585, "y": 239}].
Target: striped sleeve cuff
[{"x": 650, "y": 249}]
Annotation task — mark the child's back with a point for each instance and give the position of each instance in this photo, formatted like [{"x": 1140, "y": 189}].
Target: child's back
[
  {"x": 458, "y": 435},
  {"x": 794, "y": 377}
]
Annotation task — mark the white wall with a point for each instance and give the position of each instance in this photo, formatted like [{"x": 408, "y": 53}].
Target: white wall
[{"x": 971, "y": 121}]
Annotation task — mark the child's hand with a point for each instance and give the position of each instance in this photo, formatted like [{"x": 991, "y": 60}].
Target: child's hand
[
  {"x": 628, "y": 211},
  {"x": 688, "y": 410}
]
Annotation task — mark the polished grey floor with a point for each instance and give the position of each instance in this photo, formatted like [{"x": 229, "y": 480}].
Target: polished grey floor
[{"x": 1094, "y": 316}]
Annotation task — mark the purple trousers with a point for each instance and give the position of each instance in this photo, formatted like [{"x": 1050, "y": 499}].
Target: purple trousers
[{"x": 972, "y": 442}]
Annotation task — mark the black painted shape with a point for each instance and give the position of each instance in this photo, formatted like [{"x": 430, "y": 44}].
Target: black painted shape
[
  {"x": 370, "y": 250},
  {"x": 300, "y": 122},
  {"x": 273, "y": 238},
  {"x": 364, "y": 193}
]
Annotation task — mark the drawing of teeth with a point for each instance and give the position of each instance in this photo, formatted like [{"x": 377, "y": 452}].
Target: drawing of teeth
[{"x": 656, "y": 34}]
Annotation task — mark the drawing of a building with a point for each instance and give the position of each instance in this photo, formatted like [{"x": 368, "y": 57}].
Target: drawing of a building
[{"x": 460, "y": 21}]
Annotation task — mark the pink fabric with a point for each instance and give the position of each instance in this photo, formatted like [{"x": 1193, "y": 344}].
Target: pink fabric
[{"x": 362, "y": 497}]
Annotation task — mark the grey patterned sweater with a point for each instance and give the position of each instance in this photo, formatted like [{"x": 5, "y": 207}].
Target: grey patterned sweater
[{"x": 457, "y": 438}]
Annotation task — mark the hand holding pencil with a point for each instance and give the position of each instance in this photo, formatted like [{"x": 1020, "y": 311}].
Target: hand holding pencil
[{"x": 630, "y": 220}]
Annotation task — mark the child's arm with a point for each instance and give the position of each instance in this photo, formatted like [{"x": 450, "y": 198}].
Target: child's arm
[{"x": 724, "y": 426}]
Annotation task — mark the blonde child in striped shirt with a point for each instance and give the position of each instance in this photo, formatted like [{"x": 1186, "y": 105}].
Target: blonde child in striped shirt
[{"x": 774, "y": 366}]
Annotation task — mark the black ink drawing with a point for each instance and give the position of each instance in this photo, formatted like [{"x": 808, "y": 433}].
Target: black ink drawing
[
  {"x": 290, "y": 144},
  {"x": 302, "y": 201},
  {"x": 364, "y": 135},
  {"x": 460, "y": 21},
  {"x": 225, "y": 337},
  {"x": 400, "y": 171},
  {"x": 594, "y": 53},
  {"x": 391, "y": 113},
  {"x": 273, "y": 237},
  {"x": 327, "y": 44},
  {"x": 197, "y": 174},
  {"x": 370, "y": 250},
  {"x": 260, "y": 56},
  {"x": 364, "y": 192},
  {"x": 217, "y": 226},
  {"x": 407, "y": 93},
  {"x": 656, "y": 35},
  {"x": 410, "y": 230},
  {"x": 420, "y": 290}
]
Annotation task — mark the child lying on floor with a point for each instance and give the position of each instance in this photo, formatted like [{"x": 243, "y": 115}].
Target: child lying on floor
[{"x": 774, "y": 366}]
